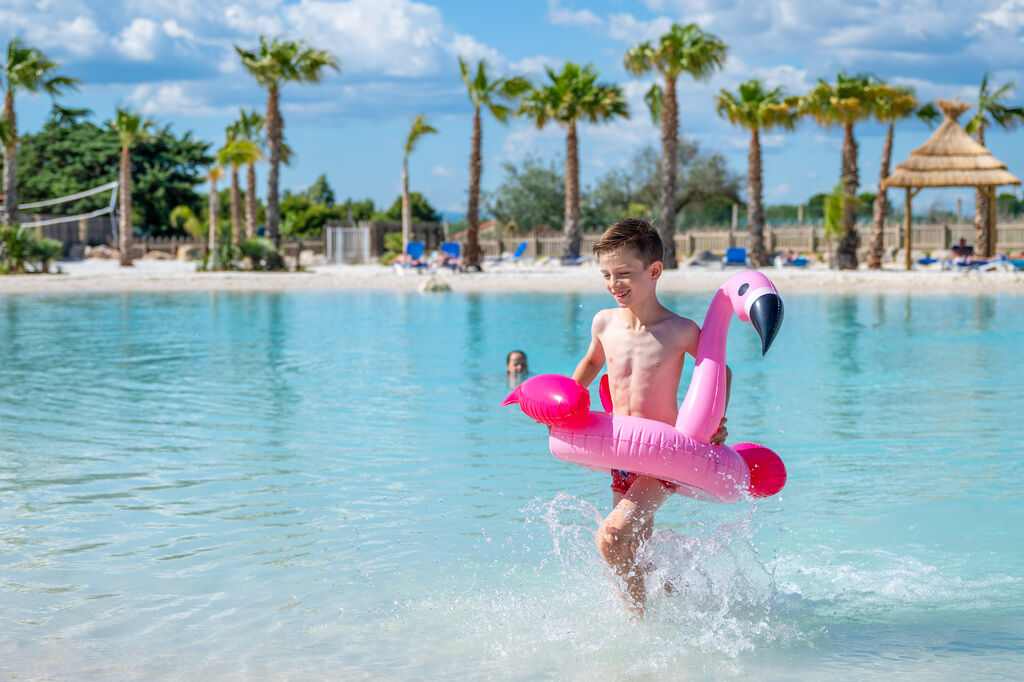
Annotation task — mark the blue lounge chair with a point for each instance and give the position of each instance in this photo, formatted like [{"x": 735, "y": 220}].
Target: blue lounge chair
[
  {"x": 452, "y": 252},
  {"x": 415, "y": 252},
  {"x": 518, "y": 254},
  {"x": 735, "y": 256}
]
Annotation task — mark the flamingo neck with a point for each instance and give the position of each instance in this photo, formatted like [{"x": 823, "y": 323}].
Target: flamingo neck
[{"x": 704, "y": 405}]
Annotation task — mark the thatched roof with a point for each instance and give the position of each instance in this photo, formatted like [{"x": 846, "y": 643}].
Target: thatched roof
[{"x": 951, "y": 158}]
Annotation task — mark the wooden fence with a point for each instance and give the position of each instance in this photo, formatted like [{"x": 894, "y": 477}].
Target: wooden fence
[{"x": 805, "y": 239}]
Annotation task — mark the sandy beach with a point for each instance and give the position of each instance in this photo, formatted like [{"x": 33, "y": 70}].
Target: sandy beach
[{"x": 97, "y": 275}]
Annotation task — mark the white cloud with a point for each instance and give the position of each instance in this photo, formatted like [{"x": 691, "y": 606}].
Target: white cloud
[
  {"x": 530, "y": 65},
  {"x": 170, "y": 98},
  {"x": 629, "y": 29},
  {"x": 779, "y": 190},
  {"x": 80, "y": 36},
  {"x": 442, "y": 172},
  {"x": 560, "y": 16},
  {"x": 138, "y": 40},
  {"x": 388, "y": 37}
]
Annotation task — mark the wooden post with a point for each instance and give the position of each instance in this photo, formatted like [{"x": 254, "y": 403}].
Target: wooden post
[
  {"x": 800, "y": 214},
  {"x": 907, "y": 226},
  {"x": 959, "y": 210},
  {"x": 991, "y": 221},
  {"x": 735, "y": 216}
]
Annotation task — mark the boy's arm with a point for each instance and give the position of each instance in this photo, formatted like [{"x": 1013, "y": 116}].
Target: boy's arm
[{"x": 593, "y": 359}]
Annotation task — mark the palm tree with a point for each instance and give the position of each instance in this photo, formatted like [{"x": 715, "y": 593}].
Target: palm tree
[
  {"x": 249, "y": 127},
  {"x": 891, "y": 104},
  {"x": 236, "y": 152},
  {"x": 419, "y": 129},
  {"x": 276, "y": 62},
  {"x": 572, "y": 95},
  {"x": 684, "y": 49},
  {"x": 131, "y": 128},
  {"x": 845, "y": 102},
  {"x": 990, "y": 111},
  {"x": 184, "y": 217},
  {"x": 27, "y": 69},
  {"x": 495, "y": 95},
  {"x": 215, "y": 173},
  {"x": 756, "y": 109}
]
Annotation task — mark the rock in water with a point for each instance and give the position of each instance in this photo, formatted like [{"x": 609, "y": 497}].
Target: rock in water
[{"x": 434, "y": 283}]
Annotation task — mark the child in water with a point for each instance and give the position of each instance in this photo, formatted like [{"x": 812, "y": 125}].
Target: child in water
[{"x": 644, "y": 345}]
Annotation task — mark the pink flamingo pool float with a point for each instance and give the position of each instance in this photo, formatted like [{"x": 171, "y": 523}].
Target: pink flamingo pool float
[{"x": 682, "y": 454}]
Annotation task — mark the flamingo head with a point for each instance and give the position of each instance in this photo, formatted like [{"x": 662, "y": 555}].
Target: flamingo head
[{"x": 755, "y": 300}]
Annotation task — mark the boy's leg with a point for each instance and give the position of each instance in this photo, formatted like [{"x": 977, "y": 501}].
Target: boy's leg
[{"x": 630, "y": 523}]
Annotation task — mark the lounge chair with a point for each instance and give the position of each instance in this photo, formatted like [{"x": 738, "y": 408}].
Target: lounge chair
[
  {"x": 414, "y": 258},
  {"x": 735, "y": 256},
  {"x": 518, "y": 254},
  {"x": 450, "y": 256}
]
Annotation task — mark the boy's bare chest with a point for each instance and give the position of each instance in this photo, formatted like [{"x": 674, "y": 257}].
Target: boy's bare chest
[{"x": 629, "y": 351}]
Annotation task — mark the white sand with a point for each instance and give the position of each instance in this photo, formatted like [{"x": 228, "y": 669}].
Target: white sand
[{"x": 94, "y": 275}]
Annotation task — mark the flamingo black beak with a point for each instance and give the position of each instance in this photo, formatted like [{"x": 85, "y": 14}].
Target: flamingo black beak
[{"x": 766, "y": 315}]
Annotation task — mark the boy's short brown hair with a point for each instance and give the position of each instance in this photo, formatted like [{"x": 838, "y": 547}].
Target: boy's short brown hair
[{"x": 632, "y": 233}]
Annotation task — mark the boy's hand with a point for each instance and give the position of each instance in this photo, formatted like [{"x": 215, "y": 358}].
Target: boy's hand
[{"x": 721, "y": 434}]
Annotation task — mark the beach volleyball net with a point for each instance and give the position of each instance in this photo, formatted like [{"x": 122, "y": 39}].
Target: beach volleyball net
[{"x": 51, "y": 216}]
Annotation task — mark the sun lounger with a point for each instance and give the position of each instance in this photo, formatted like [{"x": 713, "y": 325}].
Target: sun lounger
[
  {"x": 414, "y": 251},
  {"x": 502, "y": 260},
  {"x": 736, "y": 256}
]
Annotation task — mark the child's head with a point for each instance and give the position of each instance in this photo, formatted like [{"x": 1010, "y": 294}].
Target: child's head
[
  {"x": 515, "y": 362},
  {"x": 630, "y": 253},
  {"x": 635, "y": 234}
]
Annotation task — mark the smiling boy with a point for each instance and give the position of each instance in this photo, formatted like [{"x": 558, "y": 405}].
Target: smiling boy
[{"x": 644, "y": 345}]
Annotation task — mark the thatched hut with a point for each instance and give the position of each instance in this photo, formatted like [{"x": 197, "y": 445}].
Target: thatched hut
[{"x": 950, "y": 158}]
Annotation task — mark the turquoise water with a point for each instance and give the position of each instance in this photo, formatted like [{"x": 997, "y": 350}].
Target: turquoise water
[{"x": 321, "y": 485}]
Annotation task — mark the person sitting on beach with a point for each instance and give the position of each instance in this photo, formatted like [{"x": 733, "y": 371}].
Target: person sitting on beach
[
  {"x": 440, "y": 259},
  {"x": 406, "y": 259},
  {"x": 644, "y": 345}
]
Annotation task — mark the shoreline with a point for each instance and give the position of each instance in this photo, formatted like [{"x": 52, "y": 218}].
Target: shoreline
[{"x": 94, "y": 276}]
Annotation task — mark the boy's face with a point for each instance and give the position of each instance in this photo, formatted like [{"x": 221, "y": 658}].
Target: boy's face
[{"x": 626, "y": 278}]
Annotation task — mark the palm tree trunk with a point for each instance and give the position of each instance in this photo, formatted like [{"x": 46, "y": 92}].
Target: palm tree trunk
[
  {"x": 846, "y": 251},
  {"x": 881, "y": 207},
  {"x": 755, "y": 214},
  {"x": 275, "y": 131},
  {"x": 214, "y": 208},
  {"x": 669, "y": 146},
  {"x": 250, "y": 201},
  {"x": 981, "y": 221},
  {"x": 236, "y": 208},
  {"x": 572, "y": 194},
  {"x": 10, "y": 215},
  {"x": 406, "y": 208},
  {"x": 124, "y": 227},
  {"x": 473, "y": 210}
]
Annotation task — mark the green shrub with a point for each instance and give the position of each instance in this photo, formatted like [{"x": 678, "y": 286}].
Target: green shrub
[
  {"x": 392, "y": 247},
  {"x": 262, "y": 253},
  {"x": 44, "y": 251},
  {"x": 21, "y": 248}
]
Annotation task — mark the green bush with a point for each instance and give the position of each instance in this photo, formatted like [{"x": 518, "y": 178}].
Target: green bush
[
  {"x": 262, "y": 253},
  {"x": 21, "y": 248},
  {"x": 44, "y": 251},
  {"x": 392, "y": 247}
]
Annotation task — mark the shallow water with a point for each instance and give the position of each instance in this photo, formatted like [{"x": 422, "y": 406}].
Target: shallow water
[{"x": 321, "y": 484}]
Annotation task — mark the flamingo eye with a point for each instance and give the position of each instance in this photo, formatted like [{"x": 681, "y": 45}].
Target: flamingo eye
[{"x": 743, "y": 288}]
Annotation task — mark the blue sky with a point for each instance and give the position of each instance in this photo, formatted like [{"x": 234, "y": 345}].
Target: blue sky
[{"x": 173, "y": 59}]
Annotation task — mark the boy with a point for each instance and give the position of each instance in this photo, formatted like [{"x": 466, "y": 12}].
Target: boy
[{"x": 644, "y": 345}]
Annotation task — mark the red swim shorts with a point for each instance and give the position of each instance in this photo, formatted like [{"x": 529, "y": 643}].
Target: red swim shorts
[{"x": 621, "y": 480}]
